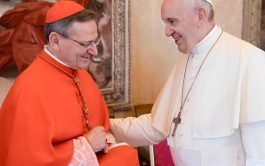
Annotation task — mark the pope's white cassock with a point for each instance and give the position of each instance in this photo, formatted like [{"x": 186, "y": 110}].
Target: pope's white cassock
[{"x": 223, "y": 115}]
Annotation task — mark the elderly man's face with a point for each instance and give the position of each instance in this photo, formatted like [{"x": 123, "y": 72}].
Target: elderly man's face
[
  {"x": 180, "y": 24},
  {"x": 75, "y": 50}
]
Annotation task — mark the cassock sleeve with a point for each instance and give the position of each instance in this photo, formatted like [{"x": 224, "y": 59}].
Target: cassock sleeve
[
  {"x": 136, "y": 131},
  {"x": 253, "y": 137}
]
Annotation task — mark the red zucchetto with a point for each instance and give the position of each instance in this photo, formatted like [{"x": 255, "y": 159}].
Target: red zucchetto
[{"x": 62, "y": 9}]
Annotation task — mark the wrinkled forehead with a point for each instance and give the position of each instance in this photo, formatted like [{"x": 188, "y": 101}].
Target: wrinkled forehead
[{"x": 172, "y": 9}]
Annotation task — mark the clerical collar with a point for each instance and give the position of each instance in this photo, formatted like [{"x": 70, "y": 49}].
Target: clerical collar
[
  {"x": 206, "y": 43},
  {"x": 54, "y": 57}
]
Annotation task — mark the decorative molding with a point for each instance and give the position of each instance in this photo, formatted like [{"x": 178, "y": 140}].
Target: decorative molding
[
  {"x": 251, "y": 21},
  {"x": 118, "y": 94}
]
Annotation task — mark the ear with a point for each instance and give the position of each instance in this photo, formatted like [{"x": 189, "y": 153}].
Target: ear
[
  {"x": 54, "y": 39},
  {"x": 201, "y": 15}
]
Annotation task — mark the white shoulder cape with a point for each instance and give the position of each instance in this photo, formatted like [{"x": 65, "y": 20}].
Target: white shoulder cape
[{"x": 230, "y": 90}]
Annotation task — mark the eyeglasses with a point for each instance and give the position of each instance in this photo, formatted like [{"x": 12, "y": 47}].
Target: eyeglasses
[{"x": 88, "y": 43}]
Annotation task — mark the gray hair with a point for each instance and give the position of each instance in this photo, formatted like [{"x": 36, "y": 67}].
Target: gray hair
[
  {"x": 192, "y": 4},
  {"x": 62, "y": 26}
]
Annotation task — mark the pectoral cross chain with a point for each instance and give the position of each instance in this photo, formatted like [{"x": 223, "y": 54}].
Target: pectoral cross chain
[{"x": 176, "y": 122}]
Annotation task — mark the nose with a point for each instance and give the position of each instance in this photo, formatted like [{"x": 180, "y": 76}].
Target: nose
[
  {"x": 168, "y": 30},
  {"x": 93, "y": 49}
]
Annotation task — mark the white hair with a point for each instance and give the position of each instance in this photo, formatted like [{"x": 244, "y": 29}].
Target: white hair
[{"x": 192, "y": 4}]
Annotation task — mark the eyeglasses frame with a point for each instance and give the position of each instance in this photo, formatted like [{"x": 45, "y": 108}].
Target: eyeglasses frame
[{"x": 88, "y": 43}]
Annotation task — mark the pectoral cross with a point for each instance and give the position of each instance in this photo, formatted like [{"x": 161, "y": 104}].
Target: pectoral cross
[{"x": 177, "y": 121}]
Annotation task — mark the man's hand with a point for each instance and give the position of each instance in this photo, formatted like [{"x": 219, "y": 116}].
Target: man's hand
[{"x": 97, "y": 138}]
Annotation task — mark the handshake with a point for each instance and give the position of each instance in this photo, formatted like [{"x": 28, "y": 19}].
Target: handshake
[{"x": 100, "y": 140}]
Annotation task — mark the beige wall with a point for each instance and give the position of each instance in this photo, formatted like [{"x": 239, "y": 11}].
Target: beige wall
[
  {"x": 228, "y": 16},
  {"x": 153, "y": 55}
]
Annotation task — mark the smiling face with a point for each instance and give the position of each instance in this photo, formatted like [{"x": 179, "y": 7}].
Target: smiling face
[
  {"x": 72, "y": 53},
  {"x": 180, "y": 24}
]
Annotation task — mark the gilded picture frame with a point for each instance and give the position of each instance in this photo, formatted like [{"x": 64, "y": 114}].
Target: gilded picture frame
[
  {"x": 252, "y": 21},
  {"x": 117, "y": 94}
]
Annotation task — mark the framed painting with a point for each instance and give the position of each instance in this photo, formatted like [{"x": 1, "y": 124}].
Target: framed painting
[
  {"x": 116, "y": 88},
  {"x": 252, "y": 10},
  {"x": 110, "y": 69}
]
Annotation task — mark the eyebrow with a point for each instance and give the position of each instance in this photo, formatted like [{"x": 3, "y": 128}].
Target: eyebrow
[
  {"x": 93, "y": 39},
  {"x": 86, "y": 42},
  {"x": 170, "y": 19}
]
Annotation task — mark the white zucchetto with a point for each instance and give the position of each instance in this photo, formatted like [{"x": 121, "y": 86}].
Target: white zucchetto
[{"x": 210, "y": 1}]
